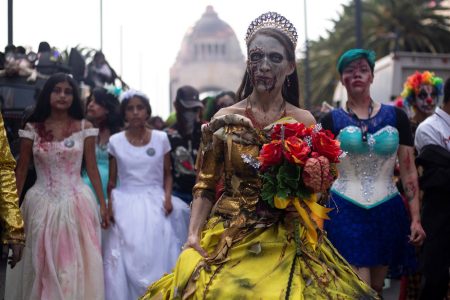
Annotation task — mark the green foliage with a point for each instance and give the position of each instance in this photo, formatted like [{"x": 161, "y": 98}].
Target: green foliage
[
  {"x": 387, "y": 26},
  {"x": 269, "y": 186},
  {"x": 283, "y": 181}
]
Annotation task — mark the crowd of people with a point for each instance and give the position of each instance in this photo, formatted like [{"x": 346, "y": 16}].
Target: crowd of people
[{"x": 126, "y": 205}]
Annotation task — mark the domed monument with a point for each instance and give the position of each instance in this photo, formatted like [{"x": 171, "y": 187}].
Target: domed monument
[{"x": 210, "y": 58}]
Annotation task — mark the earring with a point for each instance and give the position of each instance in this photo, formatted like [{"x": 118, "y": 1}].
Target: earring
[{"x": 288, "y": 81}]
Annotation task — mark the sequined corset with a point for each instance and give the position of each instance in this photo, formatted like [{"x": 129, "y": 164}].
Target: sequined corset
[{"x": 366, "y": 172}]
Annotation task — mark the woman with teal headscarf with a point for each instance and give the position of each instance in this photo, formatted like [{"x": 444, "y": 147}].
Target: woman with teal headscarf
[{"x": 369, "y": 224}]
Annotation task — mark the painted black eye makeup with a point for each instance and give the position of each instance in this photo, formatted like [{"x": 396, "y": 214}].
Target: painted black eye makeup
[
  {"x": 255, "y": 56},
  {"x": 276, "y": 57}
]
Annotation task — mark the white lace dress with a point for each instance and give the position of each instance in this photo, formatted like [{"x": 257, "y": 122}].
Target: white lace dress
[
  {"x": 62, "y": 256},
  {"x": 144, "y": 243}
]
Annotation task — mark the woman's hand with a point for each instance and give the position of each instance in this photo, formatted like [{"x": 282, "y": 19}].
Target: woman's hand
[
  {"x": 194, "y": 242},
  {"x": 418, "y": 235},
  {"x": 16, "y": 255},
  {"x": 111, "y": 213},
  {"x": 105, "y": 216},
  {"x": 168, "y": 207}
]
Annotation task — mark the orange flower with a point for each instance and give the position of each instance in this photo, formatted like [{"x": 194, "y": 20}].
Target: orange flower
[
  {"x": 270, "y": 154},
  {"x": 324, "y": 143},
  {"x": 316, "y": 174},
  {"x": 296, "y": 150}
]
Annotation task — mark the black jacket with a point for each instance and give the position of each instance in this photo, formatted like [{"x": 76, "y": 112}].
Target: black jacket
[{"x": 435, "y": 161}]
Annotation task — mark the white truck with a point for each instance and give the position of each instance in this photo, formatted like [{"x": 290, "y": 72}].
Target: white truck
[{"x": 392, "y": 70}]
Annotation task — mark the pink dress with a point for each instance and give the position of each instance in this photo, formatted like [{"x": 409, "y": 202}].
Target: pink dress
[{"x": 62, "y": 256}]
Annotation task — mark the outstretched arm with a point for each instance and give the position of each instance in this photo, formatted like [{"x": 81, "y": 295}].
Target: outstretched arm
[
  {"x": 112, "y": 180},
  {"x": 168, "y": 182},
  {"x": 10, "y": 216},
  {"x": 408, "y": 175},
  {"x": 94, "y": 176},
  {"x": 209, "y": 164}
]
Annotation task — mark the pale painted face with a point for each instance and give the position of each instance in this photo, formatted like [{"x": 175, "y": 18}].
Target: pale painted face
[
  {"x": 357, "y": 77},
  {"x": 267, "y": 63},
  {"x": 426, "y": 99},
  {"x": 95, "y": 111},
  {"x": 61, "y": 97},
  {"x": 136, "y": 113}
]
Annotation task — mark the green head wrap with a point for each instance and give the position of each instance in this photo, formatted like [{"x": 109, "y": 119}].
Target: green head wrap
[{"x": 354, "y": 54}]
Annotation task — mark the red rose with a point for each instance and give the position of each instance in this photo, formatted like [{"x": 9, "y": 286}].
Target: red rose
[
  {"x": 316, "y": 174},
  {"x": 290, "y": 129},
  {"x": 270, "y": 154},
  {"x": 324, "y": 143},
  {"x": 295, "y": 150},
  {"x": 307, "y": 131}
]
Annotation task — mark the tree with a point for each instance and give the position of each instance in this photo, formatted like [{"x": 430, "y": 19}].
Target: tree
[{"x": 387, "y": 25}]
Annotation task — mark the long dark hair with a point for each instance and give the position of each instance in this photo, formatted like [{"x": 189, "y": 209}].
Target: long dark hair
[
  {"x": 109, "y": 102},
  {"x": 42, "y": 109},
  {"x": 130, "y": 94},
  {"x": 290, "y": 90}
]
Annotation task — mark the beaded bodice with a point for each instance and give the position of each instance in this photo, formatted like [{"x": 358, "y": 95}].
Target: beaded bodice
[{"x": 366, "y": 172}]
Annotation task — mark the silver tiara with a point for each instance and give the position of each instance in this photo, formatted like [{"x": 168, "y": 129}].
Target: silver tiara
[{"x": 272, "y": 20}]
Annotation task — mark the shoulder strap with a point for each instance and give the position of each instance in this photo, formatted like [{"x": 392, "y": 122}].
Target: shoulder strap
[{"x": 82, "y": 124}]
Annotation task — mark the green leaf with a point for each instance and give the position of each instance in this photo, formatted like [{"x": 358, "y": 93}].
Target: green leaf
[
  {"x": 288, "y": 178},
  {"x": 268, "y": 189}
]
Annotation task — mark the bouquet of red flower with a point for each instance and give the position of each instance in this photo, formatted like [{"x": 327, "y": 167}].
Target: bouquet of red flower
[{"x": 297, "y": 163}]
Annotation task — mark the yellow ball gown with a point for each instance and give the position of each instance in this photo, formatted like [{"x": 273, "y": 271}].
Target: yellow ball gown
[{"x": 253, "y": 250}]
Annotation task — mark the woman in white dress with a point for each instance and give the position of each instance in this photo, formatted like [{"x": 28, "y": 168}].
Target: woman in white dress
[
  {"x": 150, "y": 225},
  {"x": 62, "y": 257}
]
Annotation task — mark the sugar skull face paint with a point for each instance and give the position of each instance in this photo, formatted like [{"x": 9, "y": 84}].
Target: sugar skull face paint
[
  {"x": 267, "y": 63},
  {"x": 426, "y": 99}
]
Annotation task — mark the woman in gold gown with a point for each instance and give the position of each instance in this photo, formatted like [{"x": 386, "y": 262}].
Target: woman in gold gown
[{"x": 238, "y": 247}]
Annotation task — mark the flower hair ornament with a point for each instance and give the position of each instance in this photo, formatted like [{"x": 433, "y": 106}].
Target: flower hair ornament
[
  {"x": 131, "y": 93},
  {"x": 113, "y": 90},
  {"x": 272, "y": 20},
  {"x": 411, "y": 87}
]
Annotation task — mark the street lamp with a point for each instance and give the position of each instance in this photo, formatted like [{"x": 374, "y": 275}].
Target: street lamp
[
  {"x": 10, "y": 22},
  {"x": 307, "y": 71},
  {"x": 101, "y": 25},
  {"x": 358, "y": 24}
]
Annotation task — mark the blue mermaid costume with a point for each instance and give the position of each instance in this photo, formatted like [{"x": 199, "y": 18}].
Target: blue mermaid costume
[{"x": 369, "y": 223}]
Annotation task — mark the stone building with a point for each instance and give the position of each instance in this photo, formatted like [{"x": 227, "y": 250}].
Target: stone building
[{"x": 210, "y": 58}]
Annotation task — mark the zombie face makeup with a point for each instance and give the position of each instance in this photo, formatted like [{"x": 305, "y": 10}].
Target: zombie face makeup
[
  {"x": 357, "y": 77},
  {"x": 426, "y": 99},
  {"x": 267, "y": 63}
]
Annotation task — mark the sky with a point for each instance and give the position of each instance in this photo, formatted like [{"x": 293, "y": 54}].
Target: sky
[{"x": 141, "y": 38}]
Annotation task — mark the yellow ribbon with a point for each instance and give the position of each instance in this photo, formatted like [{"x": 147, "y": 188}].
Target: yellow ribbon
[{"x": 318, "y": 214}]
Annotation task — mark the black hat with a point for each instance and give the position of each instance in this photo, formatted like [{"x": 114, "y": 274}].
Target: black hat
[{"x": 188, "y": 97}]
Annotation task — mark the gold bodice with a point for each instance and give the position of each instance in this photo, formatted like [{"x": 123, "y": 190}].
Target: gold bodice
[{"x": 229, "y": 151}]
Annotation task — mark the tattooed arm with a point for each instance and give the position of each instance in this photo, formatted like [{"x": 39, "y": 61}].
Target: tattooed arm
[{"x": 408, "y": 175}]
